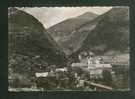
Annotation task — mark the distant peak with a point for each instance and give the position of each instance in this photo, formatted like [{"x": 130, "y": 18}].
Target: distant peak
[{"x": 87, "y": 15}]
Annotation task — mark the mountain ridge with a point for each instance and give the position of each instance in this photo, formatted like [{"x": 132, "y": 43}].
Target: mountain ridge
[
  {"x": 65, "y": 27},
  {"x": 110, "y": 34},
  {"x": 67, "y": 31},
  {"x": 99, "y": 29},
  {"x": 28, "y": 37}
]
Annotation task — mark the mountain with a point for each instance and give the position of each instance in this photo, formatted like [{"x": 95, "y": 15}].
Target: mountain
[
  {"x": 30, "y": 48},
  {"x": 64, "y": 33},
  {"x": 87, "y": 15},
  {"x": 110, "y": 35},
  {"x": 27, "y": 36}
]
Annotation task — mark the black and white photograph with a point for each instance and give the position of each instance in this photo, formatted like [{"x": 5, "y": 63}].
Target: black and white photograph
[{"x": 68, "y": 48}]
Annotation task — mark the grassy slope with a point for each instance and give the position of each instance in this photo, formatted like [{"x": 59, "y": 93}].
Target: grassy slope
[
  {"x": 66, "y": 33},
  {"x": 110, "y": 34},
  {"x": 28, "y": 39}
]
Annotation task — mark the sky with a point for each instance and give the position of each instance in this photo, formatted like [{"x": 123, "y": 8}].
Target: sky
[{"x": 50, "y": 16}]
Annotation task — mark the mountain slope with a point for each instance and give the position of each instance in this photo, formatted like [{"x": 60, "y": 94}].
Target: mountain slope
[
  {"x": 110, "y": 34},
  {"x": 66, "y": 27},
  {"x": 65, "y": 32},
  {"x": 30, "y": 47},
  {"x": 28, "y": 36}
]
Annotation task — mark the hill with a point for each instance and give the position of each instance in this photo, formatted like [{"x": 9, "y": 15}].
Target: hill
[
  {"x": 30, "y": 48},
  {"x": 64, "y": 32},
  {"x": 111, "y": 32},
  {"x": 110, "y": 35},
  {"x": 29, "y": 37}
]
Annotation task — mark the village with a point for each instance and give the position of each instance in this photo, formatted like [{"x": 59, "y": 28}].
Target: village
[{"x": 91, "y": 73}]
